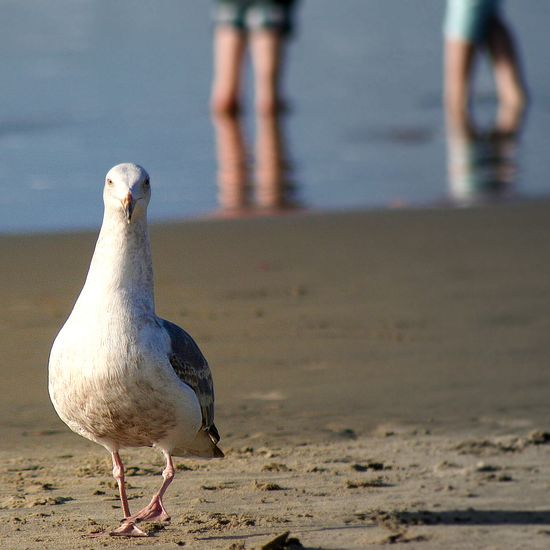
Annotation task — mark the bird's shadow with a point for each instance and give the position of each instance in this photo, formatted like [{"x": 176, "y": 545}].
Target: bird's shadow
[{"x": 471, "y": 516}]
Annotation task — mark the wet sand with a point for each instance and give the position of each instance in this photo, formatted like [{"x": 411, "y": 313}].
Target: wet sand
[{"x": 381, "y": 378}]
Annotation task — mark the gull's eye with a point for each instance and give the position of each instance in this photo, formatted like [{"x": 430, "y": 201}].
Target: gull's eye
[
  {"x": 109, "y": 181},
  {"x": 146, "y": 183}
]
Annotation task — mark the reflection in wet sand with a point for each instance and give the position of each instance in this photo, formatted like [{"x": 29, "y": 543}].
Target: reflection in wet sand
[
  {"x": 261, "y": 186},
  {"x": 232, "y": 173},
  {"x": 483, "y": 164}
]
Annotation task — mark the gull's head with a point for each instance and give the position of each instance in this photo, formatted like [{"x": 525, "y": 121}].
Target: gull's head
[{"x": 127, "y": 191}]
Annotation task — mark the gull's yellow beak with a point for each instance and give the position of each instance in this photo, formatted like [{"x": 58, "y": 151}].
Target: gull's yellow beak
[{"x": 128, "y": 204}]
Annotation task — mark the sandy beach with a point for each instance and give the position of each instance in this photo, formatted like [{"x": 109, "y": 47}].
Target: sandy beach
[{"x": 381, "y": 378}]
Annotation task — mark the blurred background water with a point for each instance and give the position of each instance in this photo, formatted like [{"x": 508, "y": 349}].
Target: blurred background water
[{"x": 88, "y": 84}]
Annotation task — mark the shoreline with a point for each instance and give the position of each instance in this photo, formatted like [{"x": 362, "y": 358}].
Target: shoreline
[{"x": 441, "y": 204}]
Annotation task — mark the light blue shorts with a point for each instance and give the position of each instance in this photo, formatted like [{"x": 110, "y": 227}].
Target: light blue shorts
[{"x": 468, "y": 20}]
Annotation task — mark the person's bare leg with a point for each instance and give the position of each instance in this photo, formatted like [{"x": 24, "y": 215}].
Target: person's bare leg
[
  {"x": 229, "y": 46},
  {"x": 459, "y": 61},
  {"x": 509, "y": 81},
  {"x": 266, "y": 50}
]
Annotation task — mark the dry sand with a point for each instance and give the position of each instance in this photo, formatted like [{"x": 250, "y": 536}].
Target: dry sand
[{"x": 381, "y": 378}]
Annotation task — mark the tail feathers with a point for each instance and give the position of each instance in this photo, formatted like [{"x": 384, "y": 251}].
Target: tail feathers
[
  {"x": 218, "y": 453},
  {"x": 215, "y": 437},
  {"x": 213, "y": 433},
  {"x": 204, "y": 446}
]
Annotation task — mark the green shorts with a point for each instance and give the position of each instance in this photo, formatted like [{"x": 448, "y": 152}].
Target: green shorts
[
  {"x": 251, "y": 15},
  {"x": 468, "y": 20}
]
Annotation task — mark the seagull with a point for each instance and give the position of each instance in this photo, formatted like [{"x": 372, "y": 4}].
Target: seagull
[{"x": 118, "y": 374}]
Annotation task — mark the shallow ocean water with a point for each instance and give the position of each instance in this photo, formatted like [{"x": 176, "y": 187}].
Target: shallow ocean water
[{"x": 89, "y": 84}]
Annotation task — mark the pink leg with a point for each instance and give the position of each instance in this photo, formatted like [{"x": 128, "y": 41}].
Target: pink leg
[
  {"x": 118, "y": 474},
  {"x": 128, "y": 528},
  {"x": 155, "y": 509}
]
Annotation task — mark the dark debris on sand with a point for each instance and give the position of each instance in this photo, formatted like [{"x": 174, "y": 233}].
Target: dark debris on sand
[
  {"x": 283, "y": 542},
  {"x": 480, "y": 447}
]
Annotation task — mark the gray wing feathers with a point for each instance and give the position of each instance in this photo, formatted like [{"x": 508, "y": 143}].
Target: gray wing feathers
[{"x": 192, "y": 368}]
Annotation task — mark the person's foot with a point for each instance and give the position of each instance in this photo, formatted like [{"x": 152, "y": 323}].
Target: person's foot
[
  {"x": 510, "y": 117},
  {"x": 514, "y": 98},
  {"x": 225, "y": 105},
  {"x": 270, "y": 106}
]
